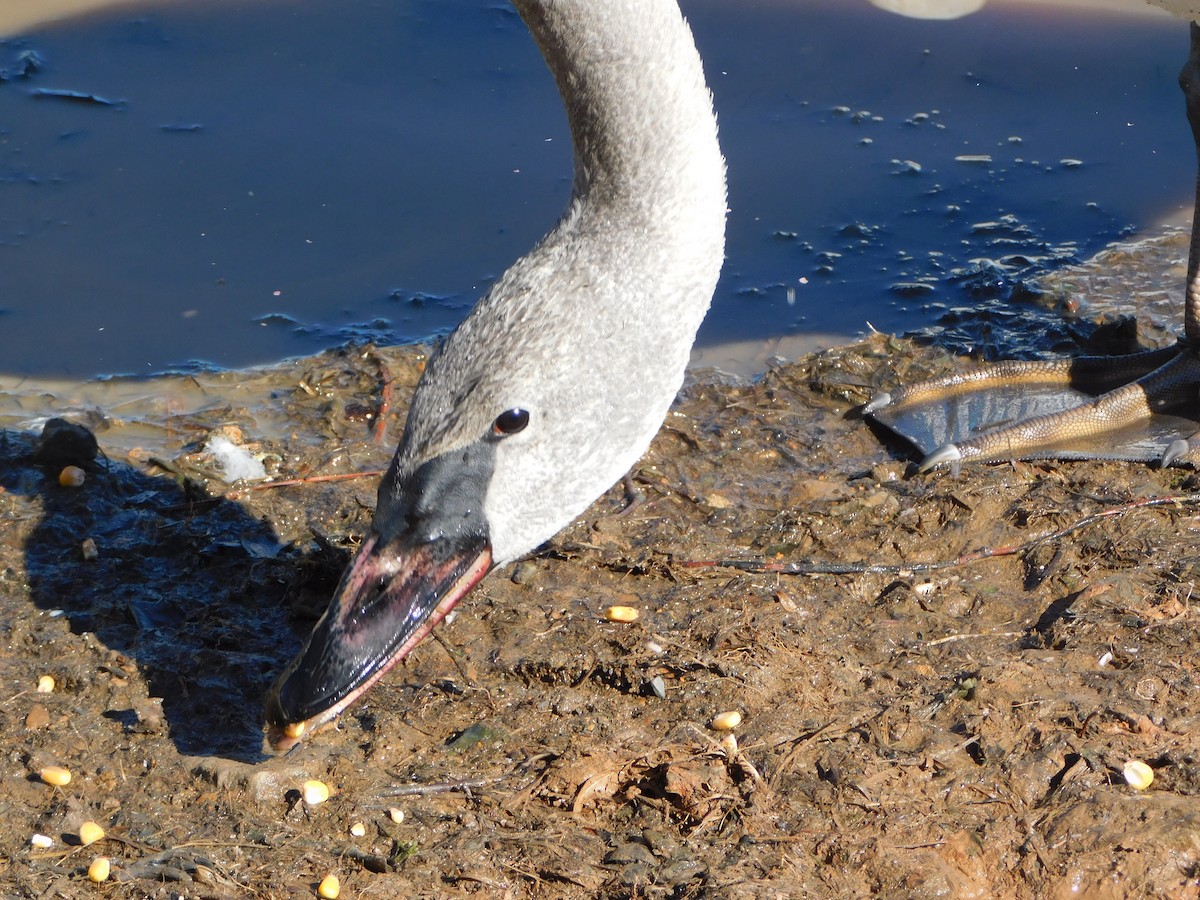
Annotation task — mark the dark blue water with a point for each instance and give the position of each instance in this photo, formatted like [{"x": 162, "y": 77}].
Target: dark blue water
[{"x": 276, "y": 178}]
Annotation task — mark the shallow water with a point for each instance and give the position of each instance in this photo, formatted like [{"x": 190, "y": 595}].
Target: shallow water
[{"x": 273, "y": 178}]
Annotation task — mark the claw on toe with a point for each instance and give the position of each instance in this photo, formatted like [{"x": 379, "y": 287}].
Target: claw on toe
[
  {"x": 947, "y": 453},
  {"x": 1176, "y": 450},
  {"x": 878, "y": 402}
]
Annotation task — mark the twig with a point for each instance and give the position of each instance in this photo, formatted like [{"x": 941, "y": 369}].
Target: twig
[
  {"x": 310, "y": 479},
  {"x": 379, "y": 434}
]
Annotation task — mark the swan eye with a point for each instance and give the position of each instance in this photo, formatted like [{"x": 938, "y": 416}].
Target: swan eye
[{"x": 510, "y": 422}]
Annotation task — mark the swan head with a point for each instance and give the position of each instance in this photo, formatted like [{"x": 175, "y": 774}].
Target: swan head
[
  {"x": 532, "y": 408},
  {"x": 552, "y": 388}
]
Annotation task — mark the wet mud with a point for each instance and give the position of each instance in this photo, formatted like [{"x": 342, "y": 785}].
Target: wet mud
[{"x": 961, "y": 732}]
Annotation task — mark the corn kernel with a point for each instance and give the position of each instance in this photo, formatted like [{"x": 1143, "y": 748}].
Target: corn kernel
[
  {"x": 315, "y": 792},
  {"x": 89, "y": 550},
  {"x": 358, "y": 829},
  {"x": 72, "y": 476},
  {"x": 727, "y": 721},
  {"x": 621, "y": 614},
  {"x": 329, "y": 887},
  {"x": 55, "y": 775},
  {"x": 1138, "y": 774},
  {"x": 46, "y": 684},
  {"x": 396, "y": 815},
  {"x": 41, "y": 841},
  {"x": 99, "y": 869},
  {"x": 294, "y": 729},
  {"x": 89, "y": 833}
]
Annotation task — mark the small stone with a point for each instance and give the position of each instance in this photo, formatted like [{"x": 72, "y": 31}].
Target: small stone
[{"x": 37, "y": 718}]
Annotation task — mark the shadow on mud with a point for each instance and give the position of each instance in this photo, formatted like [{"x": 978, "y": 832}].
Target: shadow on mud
[{"x": 189, "y": 589}]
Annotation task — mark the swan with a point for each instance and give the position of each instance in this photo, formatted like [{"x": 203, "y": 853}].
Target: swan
[
  {"x": 554, "y": 385},
  {"x": 1090, "y": 407}
]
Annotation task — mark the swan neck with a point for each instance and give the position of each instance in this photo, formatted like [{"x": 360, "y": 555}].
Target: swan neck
[{"x": 633, "y": 87}]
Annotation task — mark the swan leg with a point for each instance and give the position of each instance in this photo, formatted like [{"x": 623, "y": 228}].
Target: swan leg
[{"x": 1091, "y": 400}]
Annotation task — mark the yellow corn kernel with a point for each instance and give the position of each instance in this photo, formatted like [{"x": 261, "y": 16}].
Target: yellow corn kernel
[
  {"x": 726, "y": 721},
  {"x": 294, "y": 729},
  {"x": 315, "y": 792},
  {"x": 329, "y": 887},
  {"x": 55, "y": 775},
  {"x": 99, "y": 869},
  {"x": 621, "y": 614},
  {"x": 89, "y": 833},
  {"x": 46, "y": 684},
  {"x": 72, "y": 476},
  {"x": 1138, "y": 775}
]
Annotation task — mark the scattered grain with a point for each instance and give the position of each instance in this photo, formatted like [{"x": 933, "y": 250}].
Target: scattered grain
[
  {"x": 315, "y": 792},
  {"x": 72, "y": 476},
  {"x": 1138, "y": 774},
  {"x": 726, "y": 721},
  {"x": 621, "y": 614},
  {"x": 55, "y": 775},
  {"x": 329, "y": 887},
  {"x": 99, "y": 869},
  {"x": 89, "y": 833}
]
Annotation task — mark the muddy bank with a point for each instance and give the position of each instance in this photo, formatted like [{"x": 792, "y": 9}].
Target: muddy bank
[{"x": 961, "y": 733}]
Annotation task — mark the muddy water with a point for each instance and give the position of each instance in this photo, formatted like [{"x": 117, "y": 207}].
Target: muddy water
[{"x": 243, "y": 182}]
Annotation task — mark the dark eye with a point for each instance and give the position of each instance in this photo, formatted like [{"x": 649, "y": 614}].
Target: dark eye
[{"x": 510, "y": 422}]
